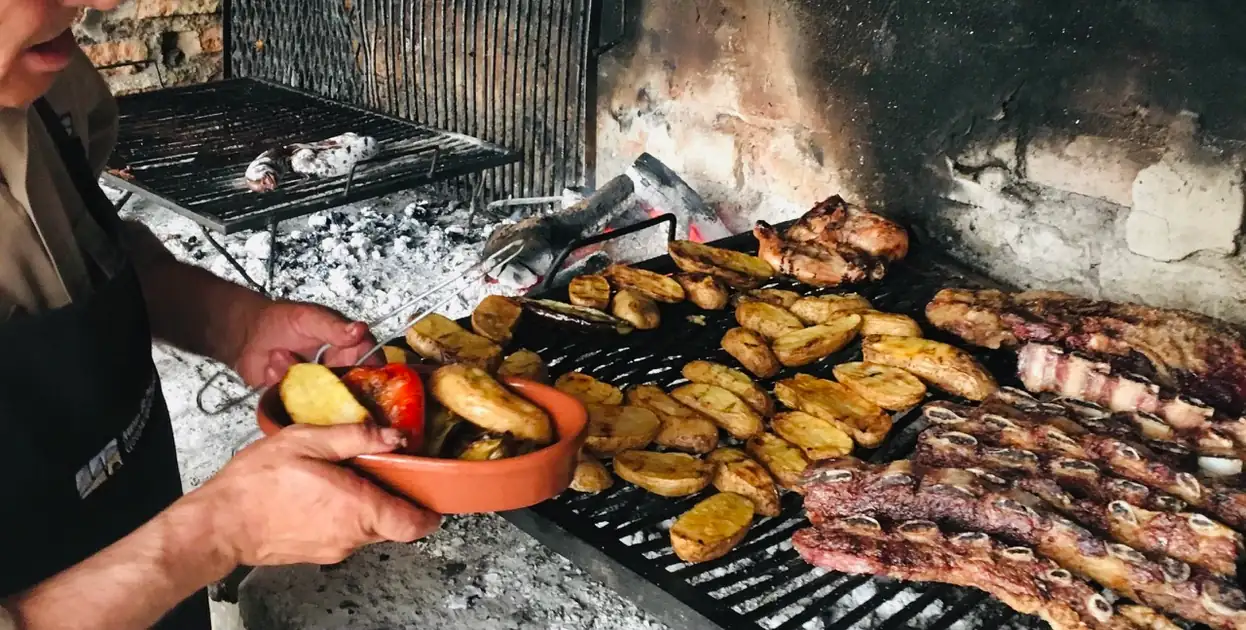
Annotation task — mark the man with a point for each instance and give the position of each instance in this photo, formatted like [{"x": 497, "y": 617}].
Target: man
[{"x": 95, "y": 533}]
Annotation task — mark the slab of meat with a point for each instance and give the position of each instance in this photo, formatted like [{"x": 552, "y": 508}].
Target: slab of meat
[
  {"x": 845, "y": 487},
  {"x": 834, "y": 243},
  {"x": 1086, "y": 497},
  {"x": 331, "y": 157}
]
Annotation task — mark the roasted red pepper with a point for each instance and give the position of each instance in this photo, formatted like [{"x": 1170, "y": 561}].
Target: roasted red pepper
[{"x": 395, "y": 396}]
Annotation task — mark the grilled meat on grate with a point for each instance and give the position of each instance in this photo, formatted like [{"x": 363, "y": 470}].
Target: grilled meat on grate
[
  {"x": 1201, "y": 356},
  {"x": 834, "y": 243},
  {"x": 918, "y": 550},
  {"x": 846, "y": 487}
]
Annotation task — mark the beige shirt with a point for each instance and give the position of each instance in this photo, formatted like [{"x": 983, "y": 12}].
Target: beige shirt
[{"x": 46, "y": 232}]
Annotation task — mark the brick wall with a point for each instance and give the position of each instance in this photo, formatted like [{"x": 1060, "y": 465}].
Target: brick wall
[{"x": 179, "y": 41}]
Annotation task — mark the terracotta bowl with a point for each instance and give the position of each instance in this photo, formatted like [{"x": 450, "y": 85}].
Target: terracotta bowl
[{"x": 449, "y": 486}]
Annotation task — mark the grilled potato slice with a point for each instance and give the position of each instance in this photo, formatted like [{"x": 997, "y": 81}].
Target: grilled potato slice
[
  {"x": 712, "y": 527},
  {"x": 766, "y": 319},
  {"x": 590, "y": 291},
  {"x": 737, "y": 269},
  {"x": 486, "y": 448},
  {"x": 394, "y": 354},
  {"x": 590, "y": 475},
  {"x": 524, "y": 364},
  {"x": 441, "y": 340},
  {"x": 704, "y": 290},
  {"x": 947, "y": 367},
  {"x": 495, "y": 318},
  {"x": 616, "y": 428},
  {"x": 751, "y": 351},
  {"x": 888, "y": 387},
  {"x": 785, "y": 461},
  {"x": 313, "y": 394},
  {"x": 879, "y": 323},
  {"x": 807, "y": 345},
  {"x": 665, "y": 474},
  {"x": 732, "y": 380},
  {"x": 588, "y": 390},
  {"x": 654, "y": 285},
  {"x": 819, "y": 438},
  {"x": 777, "y": 297},
  {"x": 683, "y": 428},
  {"x": 723, "y": 407},
  {"x": 636, "y": 309},
  {"x": 832, "y": 401},
  {"x": 823, "y": 308},
  {"x": 736, "y": 472},
  {"x": 472, "y": 393}
]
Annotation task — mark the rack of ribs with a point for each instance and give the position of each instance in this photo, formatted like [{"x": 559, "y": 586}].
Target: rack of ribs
[
  {"x": 1197, "y": 355},
  {"x": 900, "y": 491},
  {"x": 919, "y": 550}
]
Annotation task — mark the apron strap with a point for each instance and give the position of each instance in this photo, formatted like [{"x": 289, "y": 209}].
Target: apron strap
[{"x": 75, "y": 158}]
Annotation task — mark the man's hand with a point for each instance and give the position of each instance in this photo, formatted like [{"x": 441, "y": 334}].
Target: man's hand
[
  {"x": 286, "y": 333},
  {"x": 285, "y": 500}
]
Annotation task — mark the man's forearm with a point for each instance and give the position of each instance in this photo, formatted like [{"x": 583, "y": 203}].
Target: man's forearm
[{"x": 135, "y": 581}]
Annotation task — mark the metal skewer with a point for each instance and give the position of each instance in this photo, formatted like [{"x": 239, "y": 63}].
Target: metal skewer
[{"x": 474, "y": 272}]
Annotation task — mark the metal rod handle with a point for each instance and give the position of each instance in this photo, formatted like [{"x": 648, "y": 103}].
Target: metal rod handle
[{"x": 603, "y": 237}]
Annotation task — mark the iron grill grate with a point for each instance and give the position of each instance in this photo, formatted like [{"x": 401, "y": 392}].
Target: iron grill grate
[
  {"x": 191, "y": 146},
  {"x": 621, "y": 537}
]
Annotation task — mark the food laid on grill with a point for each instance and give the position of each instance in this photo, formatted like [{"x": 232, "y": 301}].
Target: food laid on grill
[
  {"x": 834, "y": 243},
  {"x": 824, "y": 308},
  {"x": 636, "y": 308},
  {"x": 1199, "y": 356},
  {"x": 477, "y": 397},
  {"x": 834, "y": 402},
  {"x": 734, "y": 471},
  {"x": 736, "y": 269},
  {"x": 819, "y": 438},
  {"x": 704, "y": 290},
  {"x": 665, "y": 474},
  {"x": 732, "y": 380},
  {"x": 752, "y": 351},
  {"x": 893, "y": 324},
  {"x": 777, "y": 297},
  {"x": 442, "y": 340},
  {"x": 656, "y": 286},
  {"x": 579, "y": 318},
  {"x": 785, "y": 462},
  {"x": 920, "y": 550},
  {"x": 726, "y": 409},
  {"x": 524, "y": 364},
  {"x": 617, "y": 428},
  {"x": 588, "y": 390},
  {"x": 313, "y": 394},
  {"x": 495, "y": 318},
  {"x": 590, "y": 475},
  {"x": 589, "y": 291},
  {"x": 683, "y": 428},
  {"x": 331, "y": 157},
  {"x": 394, "y": 354},
  {"x": 947, "y": 367},
  {"x": 712, "y": 527},
  {"x": 807, "y": 345},
  {"x": 888, "y": 387},
  {"x": 767, "y": 320}
]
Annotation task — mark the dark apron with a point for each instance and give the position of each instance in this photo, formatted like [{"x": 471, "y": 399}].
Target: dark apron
[{"x": 88, "y": 453}]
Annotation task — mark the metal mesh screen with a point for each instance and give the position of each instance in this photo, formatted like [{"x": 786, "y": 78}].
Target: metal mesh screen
[{"x": 511, "y": 72}]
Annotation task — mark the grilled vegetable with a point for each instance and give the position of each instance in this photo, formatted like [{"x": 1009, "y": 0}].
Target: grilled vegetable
[
  {"x": 616, "y": 428},
  {"x": 736, "y": 472},
  {"x": 590, "y": 475},
  {"x": 524, "y": 364},
  {"x": 590, "y": 291},
  {"x": 751, "y": 351},
  {"x": 471, "y": 393},
  {"x": 576, "y": 317},
  {"x": 313, "y": 394},
  {"x": 441, "y": 340},
  {"x": 704, "y": 290},
  {"x": 655, "y": 285},
  {"x": 785, "y": 461},
  {"x": 879, "y": 323},
  {"x": 832, "y": 401},
  {"x": 665, "y": 474},
  {"x": 817, "y": 437},
  {"x": 495, "y": 318},
  {"x": 441, "y": 424},
  {"x": 711, "y": 528},
  {"x": 807, "y": 345},
  {"x": 723, "y": 407},
  {"x": 487, "y": 448},
  {"x": 947, "y": 367},
  {"x": 732, "y": 380},
  {"x": 821, "y": 309},
  {"x": 683, "y": 428},
  {"x": 777, "y": 297},
  {"x": 588, "y": 390},
  {"x": 737, "y": 269},
  {"x": 888, "y": 387},
  {"x": 394, "y": 394},
  {"x": 767, "y": 320},
  {"x": 394, "y": 354},
  {"x": 636, "y": 308}
]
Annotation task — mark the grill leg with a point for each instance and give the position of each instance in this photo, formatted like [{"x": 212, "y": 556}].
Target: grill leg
[
  {"x": 122, "y": 201},
  {"x": 232, "y": 261},
  {"x": 272, "y": 254}
]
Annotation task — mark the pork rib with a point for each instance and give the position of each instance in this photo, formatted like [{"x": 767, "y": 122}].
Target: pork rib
[
  {"x": 899, "y": 492},
  {"x": 918, "y": 550},
  {"x": 1186, "y": 536},
  {"x": 1200, "y": 356}
]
